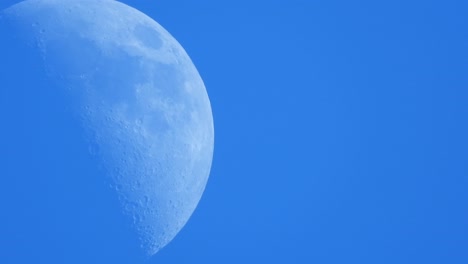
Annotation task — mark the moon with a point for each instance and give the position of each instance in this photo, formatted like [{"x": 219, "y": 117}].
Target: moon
[{"x": 138, "y": 98}]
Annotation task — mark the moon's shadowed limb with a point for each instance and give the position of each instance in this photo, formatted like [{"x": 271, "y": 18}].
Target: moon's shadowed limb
[{"x": 112, "y": 84}]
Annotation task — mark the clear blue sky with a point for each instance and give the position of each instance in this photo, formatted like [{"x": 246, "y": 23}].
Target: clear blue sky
[{"x": 341, "y": 130}]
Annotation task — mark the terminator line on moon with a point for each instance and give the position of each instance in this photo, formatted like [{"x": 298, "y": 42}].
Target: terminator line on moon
[{"x": 140, "y": 99}]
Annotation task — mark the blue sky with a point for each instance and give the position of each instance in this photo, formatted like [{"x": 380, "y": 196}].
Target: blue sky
[{"x": 340, "y": 130}]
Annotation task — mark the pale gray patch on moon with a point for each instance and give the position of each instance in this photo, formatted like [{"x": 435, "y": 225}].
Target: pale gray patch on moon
[{"x": 141, "y": 100}]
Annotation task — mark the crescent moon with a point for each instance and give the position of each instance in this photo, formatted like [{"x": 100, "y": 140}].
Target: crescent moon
[{"x": 139, "y": 98}]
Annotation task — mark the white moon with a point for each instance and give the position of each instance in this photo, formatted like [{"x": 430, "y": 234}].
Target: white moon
[{"x": 140, "y": 99}]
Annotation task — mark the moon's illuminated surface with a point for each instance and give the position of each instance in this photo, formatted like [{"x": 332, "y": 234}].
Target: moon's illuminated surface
[{"x": 140, "y": 100}]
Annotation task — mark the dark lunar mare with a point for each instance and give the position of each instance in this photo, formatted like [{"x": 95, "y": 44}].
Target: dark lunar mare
[{"x": 55, "y": 204}]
